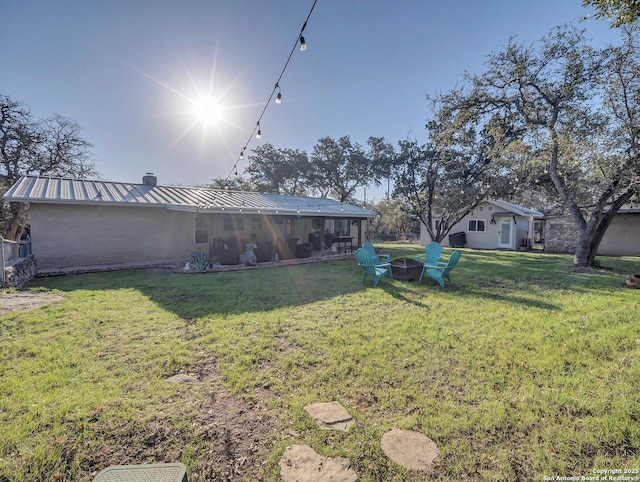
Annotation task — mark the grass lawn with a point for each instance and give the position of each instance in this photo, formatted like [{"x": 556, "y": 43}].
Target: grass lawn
[{"x": 524, "y": 369}]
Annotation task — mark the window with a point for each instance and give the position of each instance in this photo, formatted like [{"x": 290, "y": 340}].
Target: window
[
  {"x": 233, "y": 224},
  {"x": 342, "y": 227},
  {"x": 476, "y": 225},
  {"x": 481, "y": 208},
  {"x": 256, "y": 223},
  {"x": 201, "y": 229},
  {"x": 489, "y": 208}
]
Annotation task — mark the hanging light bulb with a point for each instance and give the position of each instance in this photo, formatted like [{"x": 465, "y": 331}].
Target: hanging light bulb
[
  {"x": 279, "y": 96},
  {"x": 242, "y": 154},
  {"x": 259, "y": 134},
  {"x": 236, "y": 171},
  {"x": 303, "y": 44}
]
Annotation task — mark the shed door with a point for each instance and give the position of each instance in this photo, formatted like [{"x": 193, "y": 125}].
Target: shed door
[{"x": 505, "y": 234}]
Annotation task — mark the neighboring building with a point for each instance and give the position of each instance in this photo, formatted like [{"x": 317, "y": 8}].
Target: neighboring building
[
  {"x": 492, "y": 224},
  {"x": 622, "y": 237},
  {"x": 87, "y": 222}
]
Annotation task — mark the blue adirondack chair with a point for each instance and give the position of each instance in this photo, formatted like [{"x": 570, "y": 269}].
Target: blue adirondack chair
[
  {"x": 377, "y": 257},
  {"x": 377, "y": 271},
  {"x": 440, "y": 273},
  {"x": 431, "y": 256}
]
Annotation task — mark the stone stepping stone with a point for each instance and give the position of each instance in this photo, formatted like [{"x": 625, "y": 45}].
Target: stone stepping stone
[
  {"x": 300, "y": 463},
  {"x": 330, "y": 416},
  {"x": 182, "y": 378},
  {"x": 412, "y": 450}
]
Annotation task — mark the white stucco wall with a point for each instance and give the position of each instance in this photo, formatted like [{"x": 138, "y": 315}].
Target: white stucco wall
[
  {"x": 622, "y": 237},
  {"x": 490, "y": 238}
]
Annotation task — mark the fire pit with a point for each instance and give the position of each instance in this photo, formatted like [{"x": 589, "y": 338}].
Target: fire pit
[{"x": 406, "y": 269}]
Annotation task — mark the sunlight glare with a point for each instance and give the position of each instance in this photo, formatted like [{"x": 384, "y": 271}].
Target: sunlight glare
[{"x": 208, "y": 111}]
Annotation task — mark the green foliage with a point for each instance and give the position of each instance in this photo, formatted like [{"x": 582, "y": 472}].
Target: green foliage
[
  {"x": 620, "y": 12},
  {"x": 201, "y": 262},
  {"x": 281, "y": 171},
  {"x": 524, "y": 368},
  {"x": 338, "y": 167},
  {"x": 393, "y": 219},
  {"x": 560, "y": 117}
]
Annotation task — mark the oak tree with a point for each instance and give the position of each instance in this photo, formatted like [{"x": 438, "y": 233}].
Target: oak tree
[{"x": 47, "y": 147}]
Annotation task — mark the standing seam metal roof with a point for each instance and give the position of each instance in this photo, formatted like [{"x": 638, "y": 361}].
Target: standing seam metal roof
[{"x": 48, "y": 190}]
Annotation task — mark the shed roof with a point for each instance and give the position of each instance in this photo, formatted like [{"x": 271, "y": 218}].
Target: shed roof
[
  {"x": 514, "y": 208},
  {"x": 56, "y": 190}
]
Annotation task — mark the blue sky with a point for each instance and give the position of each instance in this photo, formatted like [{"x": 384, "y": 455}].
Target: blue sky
[{"x": 131, "y": 72}]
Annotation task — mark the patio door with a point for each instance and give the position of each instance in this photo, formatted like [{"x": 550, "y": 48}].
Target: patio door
[{"x": 505, "y": 234}]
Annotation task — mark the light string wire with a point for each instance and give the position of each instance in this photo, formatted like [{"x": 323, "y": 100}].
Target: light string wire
[{"x": 275, "y": 87}]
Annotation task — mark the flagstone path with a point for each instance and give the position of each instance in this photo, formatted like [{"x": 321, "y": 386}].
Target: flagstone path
[
  {"x": 330, "y": 416},
  {"x": 300, "y": 463}
]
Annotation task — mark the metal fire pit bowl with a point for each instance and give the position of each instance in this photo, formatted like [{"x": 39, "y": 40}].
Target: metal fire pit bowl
[{"x": 406, "y": 269}]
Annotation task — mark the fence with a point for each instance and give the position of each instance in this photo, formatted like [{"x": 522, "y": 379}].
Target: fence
[
  {"x": 395, "y": 238},
  {"x": 11, "y": 252}
]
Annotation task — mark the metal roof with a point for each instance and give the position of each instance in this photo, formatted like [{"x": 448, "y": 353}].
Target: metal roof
[
  {"x": 55, "y": 190},
  {"x": 514, "y": 209}
]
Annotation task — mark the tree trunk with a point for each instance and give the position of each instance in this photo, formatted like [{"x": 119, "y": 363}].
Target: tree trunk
[
  {"x": 18, "y": 222},
  {"x": 590, "y": 239},
  {"x": 586, "y": 250}
]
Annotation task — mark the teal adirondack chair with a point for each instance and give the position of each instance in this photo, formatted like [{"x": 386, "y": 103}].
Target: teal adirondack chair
[
  {"x": 431, "y": 256},
  {"x": 440, "y": 273},
  {"x": 377, "y": 257},
  {"x": 377, "y": 271}
]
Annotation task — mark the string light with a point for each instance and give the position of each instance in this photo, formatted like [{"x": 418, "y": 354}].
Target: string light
[
  {"x": 257, "y": 131},
  {"x": 242, "y": 206}
]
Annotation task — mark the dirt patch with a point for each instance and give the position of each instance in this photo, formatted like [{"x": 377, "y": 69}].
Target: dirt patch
[
  {"x": 219, "y": 436},
  {"x": 26, "y": 300}
]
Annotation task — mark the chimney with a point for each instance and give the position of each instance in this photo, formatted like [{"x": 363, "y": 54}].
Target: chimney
[{"x": 149, "y": 179}]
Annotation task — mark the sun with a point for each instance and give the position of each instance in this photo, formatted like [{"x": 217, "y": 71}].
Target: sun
[
  {"x": 203, "y": 107},
  {"x": 208, "y": 110}
]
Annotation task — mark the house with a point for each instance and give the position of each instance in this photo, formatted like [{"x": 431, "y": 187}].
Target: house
[
  {"x": 622, "y": 237},
  {"x": 88, "y": 222},
  {"x": 492, "y": 224}
]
